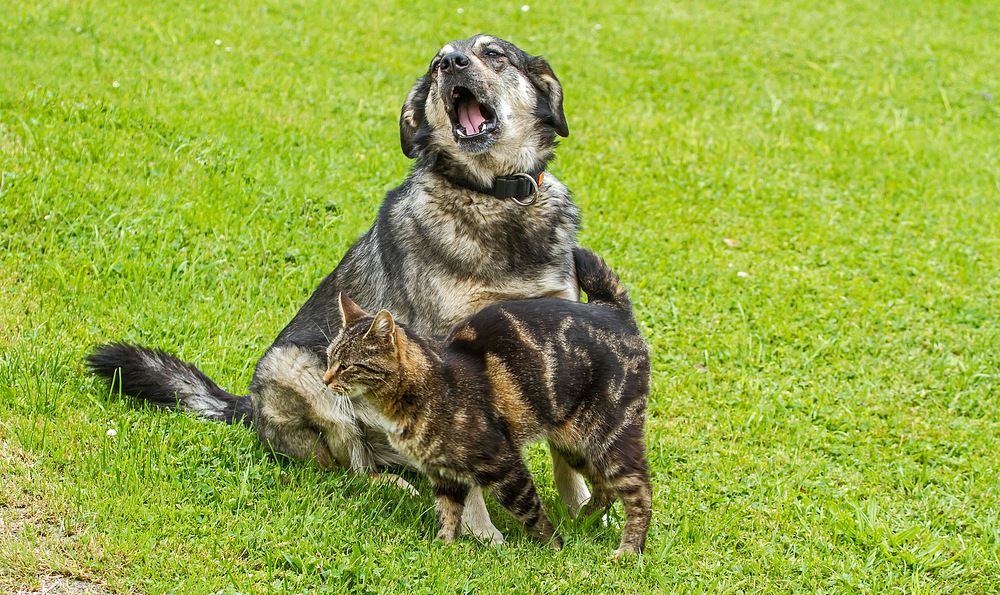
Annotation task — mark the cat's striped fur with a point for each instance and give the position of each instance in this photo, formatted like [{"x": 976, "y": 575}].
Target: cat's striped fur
[{"x": 461, "y": 407}]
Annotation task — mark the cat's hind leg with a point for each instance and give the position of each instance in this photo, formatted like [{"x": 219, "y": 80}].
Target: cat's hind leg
[
  {"x": 604, "y": 496},
  {"x": 578, "y": 464},
  {"x": 515, "y": 491},
  {"x": 637, "y": 496},
  {"x": 624, "y": 474}
]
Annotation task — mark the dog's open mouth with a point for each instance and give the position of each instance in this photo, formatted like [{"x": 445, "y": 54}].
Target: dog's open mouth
[{"x": 471, "y": 118}]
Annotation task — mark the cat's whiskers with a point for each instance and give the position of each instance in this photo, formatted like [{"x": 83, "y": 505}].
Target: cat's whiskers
[{"x": 346, "y": 405}]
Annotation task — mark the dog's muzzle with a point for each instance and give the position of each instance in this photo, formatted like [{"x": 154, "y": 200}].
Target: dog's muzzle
[{"x": 470, "y": 117}]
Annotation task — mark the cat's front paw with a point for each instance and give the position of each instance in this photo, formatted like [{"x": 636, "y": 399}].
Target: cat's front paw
[{"x": 625, "y": 552}]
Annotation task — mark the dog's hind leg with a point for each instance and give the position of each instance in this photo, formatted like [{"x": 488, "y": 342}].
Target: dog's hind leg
[
  {"x": 299, "y": 417},
  {"x": 299, "y": 442}
]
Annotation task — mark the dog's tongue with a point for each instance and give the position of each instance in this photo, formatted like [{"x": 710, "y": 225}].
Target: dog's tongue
[{"x": 469, "y": 115}]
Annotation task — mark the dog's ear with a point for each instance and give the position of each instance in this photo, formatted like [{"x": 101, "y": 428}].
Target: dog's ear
[
  {"x": 349, "y": 311},
  {"x": 545, "y": 80},
  {"x": 412, "y": 116}
]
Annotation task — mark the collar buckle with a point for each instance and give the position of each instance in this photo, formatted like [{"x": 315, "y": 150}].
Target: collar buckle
[{"x": 518, "y": 187}]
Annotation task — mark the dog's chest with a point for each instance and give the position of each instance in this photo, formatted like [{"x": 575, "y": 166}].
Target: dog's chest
[
  {"x": 456, "y": 300},
  {"x": 480, "y": 233},
  {"x": 463, "y": 251}
]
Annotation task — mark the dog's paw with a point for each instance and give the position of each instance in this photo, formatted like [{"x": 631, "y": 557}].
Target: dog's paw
[
  {"x": 391, "y": 479},
  {"x": 486, "y": 533}
]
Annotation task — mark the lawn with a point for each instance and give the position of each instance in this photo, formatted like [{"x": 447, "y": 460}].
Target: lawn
[{"x": 803, "y": 198}]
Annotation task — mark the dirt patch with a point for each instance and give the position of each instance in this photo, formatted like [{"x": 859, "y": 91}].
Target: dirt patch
[
  {"x": 60, "y": 585},
  {"x": 41, "y": 549}
]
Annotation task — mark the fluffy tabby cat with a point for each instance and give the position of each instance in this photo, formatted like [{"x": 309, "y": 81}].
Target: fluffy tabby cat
[{"x": 461, "y": 407}]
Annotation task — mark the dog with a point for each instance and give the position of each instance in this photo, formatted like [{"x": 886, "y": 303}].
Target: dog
[{"x": 478, "y": 221}]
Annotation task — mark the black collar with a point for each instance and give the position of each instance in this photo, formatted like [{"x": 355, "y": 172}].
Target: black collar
[{"x": 518, "y": 187}]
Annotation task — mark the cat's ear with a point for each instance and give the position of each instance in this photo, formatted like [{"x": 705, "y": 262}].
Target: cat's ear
[
  {"x": 349, "y": 311},
  {"x": 383, "y": 327}
]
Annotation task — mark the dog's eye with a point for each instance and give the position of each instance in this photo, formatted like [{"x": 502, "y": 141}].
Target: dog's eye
[{"x": 492, "y": 54}]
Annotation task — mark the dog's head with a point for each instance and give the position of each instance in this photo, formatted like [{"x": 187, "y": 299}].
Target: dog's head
[{"x": 485, "y": 105}]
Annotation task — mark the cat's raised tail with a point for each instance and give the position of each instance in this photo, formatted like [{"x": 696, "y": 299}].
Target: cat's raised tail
[{"x": 597, "y": 280}]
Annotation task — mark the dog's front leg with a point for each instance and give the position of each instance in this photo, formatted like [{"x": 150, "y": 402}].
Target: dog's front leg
[
  {"x": 570, "y": 484},
  {"x": 476, "y": 519}
]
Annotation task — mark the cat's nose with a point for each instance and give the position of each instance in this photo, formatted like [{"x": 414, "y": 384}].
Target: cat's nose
[{"x": 329, "y": 376}]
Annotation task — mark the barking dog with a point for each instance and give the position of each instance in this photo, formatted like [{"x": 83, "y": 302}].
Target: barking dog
[{"x": 478, "y": 221}]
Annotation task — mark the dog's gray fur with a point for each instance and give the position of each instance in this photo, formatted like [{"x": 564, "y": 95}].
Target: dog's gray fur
[{"x": 441, "y": 249}]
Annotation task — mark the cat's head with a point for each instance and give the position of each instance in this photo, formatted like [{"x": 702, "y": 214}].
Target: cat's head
[{"x": 363, "y": 359}]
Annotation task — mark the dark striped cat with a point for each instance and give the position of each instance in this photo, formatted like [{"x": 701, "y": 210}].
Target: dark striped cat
[{"x": 461, "y": 407}]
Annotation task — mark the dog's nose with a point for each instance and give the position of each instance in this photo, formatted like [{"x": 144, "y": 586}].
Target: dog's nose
[{"x": 457, "y": 60}]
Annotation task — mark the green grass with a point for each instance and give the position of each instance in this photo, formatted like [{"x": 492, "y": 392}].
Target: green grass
[{"x": 824, "y": 412}]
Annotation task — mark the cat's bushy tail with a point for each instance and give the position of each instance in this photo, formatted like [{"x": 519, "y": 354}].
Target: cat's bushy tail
[
  {"x": 597, "y": 280},
  {"x": 165, "y": 381}
]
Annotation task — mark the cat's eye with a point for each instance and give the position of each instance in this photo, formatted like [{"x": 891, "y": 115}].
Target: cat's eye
[
  {"x": 352, "y": 367},
  {"x": 339, "y": 367}
]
